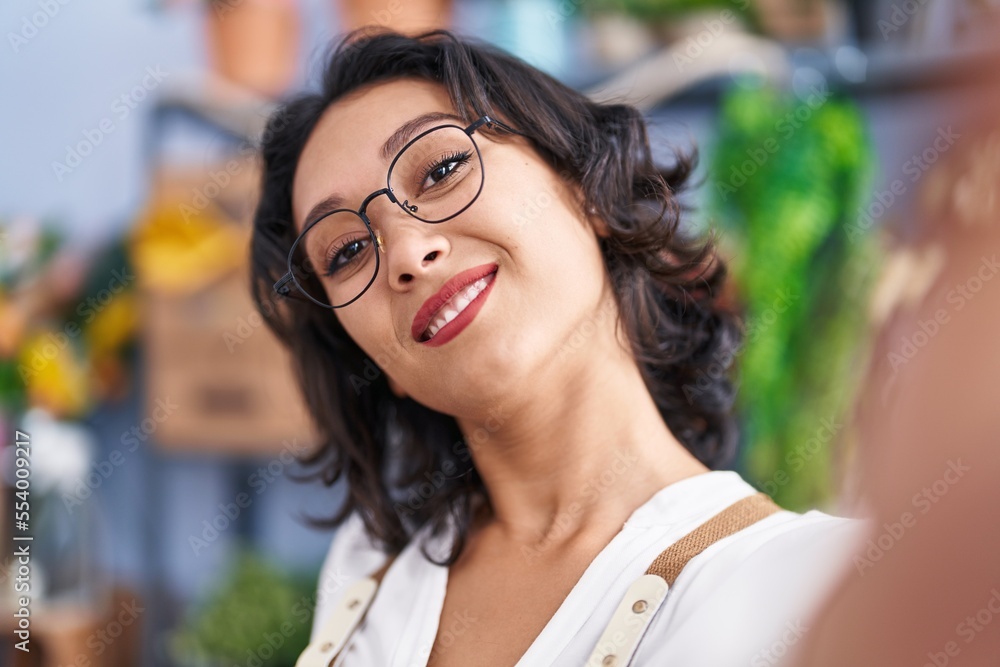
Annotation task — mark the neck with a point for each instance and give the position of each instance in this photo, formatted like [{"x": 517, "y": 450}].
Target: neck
[{"x": 576, "y": 454}]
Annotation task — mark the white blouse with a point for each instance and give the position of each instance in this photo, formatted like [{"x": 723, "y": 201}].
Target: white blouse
[{"x": 746, "y": 600}]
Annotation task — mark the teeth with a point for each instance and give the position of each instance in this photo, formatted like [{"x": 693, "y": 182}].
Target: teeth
[{"x": 459, "y": 302}]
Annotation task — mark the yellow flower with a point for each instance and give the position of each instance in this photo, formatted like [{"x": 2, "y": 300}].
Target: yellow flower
[
  {"x": 112, "y": 326},
  {"x": 54, "y": 376},
  {"x": 181, "y": 252}
]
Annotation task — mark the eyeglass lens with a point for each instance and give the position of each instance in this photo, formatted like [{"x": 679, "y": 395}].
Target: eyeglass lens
[{"x": 435, "y": 177}]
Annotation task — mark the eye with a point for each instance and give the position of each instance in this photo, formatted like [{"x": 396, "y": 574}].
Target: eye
[
  {"x": 343, "y": 255},
  {"x": 443, "y": 169}
]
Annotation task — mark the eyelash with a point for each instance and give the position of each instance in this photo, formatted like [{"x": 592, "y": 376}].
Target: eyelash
[
  {"x": 460, "y": 158},
  {"x": 330, "y": 267}
]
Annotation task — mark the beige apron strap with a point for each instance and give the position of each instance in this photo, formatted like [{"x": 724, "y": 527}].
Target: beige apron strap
[
  {"x": 344, "y": 619},
  {"x": 645, "y": 596}
]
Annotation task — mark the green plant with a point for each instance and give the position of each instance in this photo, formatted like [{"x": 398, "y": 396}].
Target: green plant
[
  {"x": 67, "y": 321},
  {"x": 258, "y": 615},
  {"x": 787, "y": 175}
]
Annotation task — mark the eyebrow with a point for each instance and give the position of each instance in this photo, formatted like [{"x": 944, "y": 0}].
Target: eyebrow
[
  {"x": 389, "y": 149},
  {"x": 409, "y": 128}
]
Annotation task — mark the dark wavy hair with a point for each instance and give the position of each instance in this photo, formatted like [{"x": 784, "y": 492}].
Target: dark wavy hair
[{"x": 406, "y": 465}]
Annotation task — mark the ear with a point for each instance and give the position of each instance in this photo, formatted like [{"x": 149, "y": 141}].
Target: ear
[
  {"x": 599, "y": 223},
  {"x": 396, "y": 389}
]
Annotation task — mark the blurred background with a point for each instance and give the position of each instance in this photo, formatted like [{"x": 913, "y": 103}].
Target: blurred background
[{"x": 162, "y": 421}]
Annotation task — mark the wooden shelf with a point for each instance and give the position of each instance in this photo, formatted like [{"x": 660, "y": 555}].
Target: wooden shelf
[{"x": 77, "y": 635}]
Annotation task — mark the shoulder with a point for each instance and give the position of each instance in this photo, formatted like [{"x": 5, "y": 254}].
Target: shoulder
[
  {"x": 758, "y": 588},
  {"x": 814, "y": 546},
  {"x": 351, "y": 556},
  {"x": 692, "y": 501},
  {"x": 798, "y": 555}
]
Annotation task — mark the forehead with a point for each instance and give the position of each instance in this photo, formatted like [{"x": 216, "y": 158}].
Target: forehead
[{"x": 342, "y": 155}]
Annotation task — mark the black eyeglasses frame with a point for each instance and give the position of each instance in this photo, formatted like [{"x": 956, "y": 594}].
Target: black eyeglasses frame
[{"x": 288, "y": 285}]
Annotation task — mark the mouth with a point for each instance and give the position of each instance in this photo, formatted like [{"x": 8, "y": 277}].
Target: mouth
[{"x": 444, "y": 315}]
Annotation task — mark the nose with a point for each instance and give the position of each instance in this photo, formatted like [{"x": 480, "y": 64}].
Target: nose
[{"x": 412, "y": 249}]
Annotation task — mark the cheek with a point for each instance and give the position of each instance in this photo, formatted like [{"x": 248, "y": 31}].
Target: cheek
[
  {"x": 377, "y": 342},
  {"x": 527, "y": 211},
  {"x": 552, "y": 235},
  {"x": 540, "y": 226},
  {"x": 371, "y": 328}
]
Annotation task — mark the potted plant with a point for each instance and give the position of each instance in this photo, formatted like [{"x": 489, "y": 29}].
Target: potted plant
[
  {"x": 254, "y": 43},
  {"x": 259, "y": 615}
]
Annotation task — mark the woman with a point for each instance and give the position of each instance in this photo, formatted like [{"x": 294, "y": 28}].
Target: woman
[{"x": 508, "y": 348}]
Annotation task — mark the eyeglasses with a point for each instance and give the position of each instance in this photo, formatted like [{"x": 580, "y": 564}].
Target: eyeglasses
[{"x": 436, "y": 176}]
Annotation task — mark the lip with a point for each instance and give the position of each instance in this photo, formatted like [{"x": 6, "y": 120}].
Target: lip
[{"x": 453, "y": 286}]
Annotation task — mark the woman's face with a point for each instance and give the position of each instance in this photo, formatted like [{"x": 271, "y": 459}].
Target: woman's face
[{"x": 549, "y": 278}]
